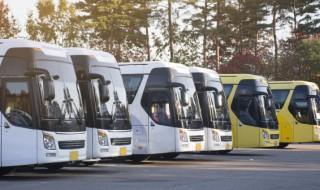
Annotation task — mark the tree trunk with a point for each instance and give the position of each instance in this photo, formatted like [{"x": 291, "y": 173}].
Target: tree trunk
[
  {"x": 170, "y": 28},
  {"x": 218, "y": 35},
  {"x": 275, "y": 40},
  {"x": 205, "y": 30},
  {"x": 240, "y": 27},
  {"x": 148, "y": 44},
  {"x": 295, "y": 27}
]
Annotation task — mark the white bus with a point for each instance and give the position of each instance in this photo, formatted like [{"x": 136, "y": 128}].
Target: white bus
[
  {"x": 42, "y": 121},
  {"x": 104, "y": 97},
  {"x": 214, "y": 108},
  {"x": 164, "y": 109}
]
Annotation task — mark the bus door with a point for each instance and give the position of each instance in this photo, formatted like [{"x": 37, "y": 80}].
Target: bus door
[
  {"x": 161, "y": 130},
  {"x": 18, "y": 134},
  {"x": 248, "y": 132}
]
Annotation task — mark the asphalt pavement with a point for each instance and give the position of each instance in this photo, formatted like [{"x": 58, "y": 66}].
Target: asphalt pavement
[{"x": 294, "y": 168}]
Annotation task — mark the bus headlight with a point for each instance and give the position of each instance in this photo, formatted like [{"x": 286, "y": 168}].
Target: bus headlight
[
  {"x": 183, "y": 136},
  {"x": 265, "y": 134},
  {"x": 215, "y": 136},
  {"x": 103, "y": 138},
  {"x": 48, "y": 141}
]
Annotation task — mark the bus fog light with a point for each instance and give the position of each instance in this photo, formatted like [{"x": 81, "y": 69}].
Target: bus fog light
[
  {"x": 265, "y": 134},
  {"x": 49, "y": 142},
  {"x": 103, "y": 138},
  {"x": 183, "y": 136}
]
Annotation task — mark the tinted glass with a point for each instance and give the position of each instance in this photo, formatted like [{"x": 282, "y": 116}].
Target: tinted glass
[
  {"x": 302, "y": 106},
  {"x": 132, "y": 83},
  {"x": 279, "y": 97},
  {"x": 113, "y": 114},
  {"x": 189, "y": 115},
  {"x": 227, "y": 89},
  {"x": 17, "y": 104}
]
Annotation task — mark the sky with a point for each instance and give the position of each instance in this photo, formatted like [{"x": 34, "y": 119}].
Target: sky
[{"x": 21, "y": 8}]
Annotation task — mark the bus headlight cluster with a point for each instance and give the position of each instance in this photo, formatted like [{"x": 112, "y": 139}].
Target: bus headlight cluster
[
  {"x": 49, "y": 142},
  {"x": 103, "y": 138},
  {"x": 215, "y": 136},
  {"x": 265, "y": 134},
  {"x": 183, "y": 136}
]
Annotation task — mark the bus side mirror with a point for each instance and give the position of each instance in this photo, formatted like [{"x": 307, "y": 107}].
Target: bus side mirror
[
  {"x": 268, "y": 103},
  {"x": 219, "y": 100},
  {"x": 184, "y": 97},
  {"x": 48, "y": 89},
  {"x": 104, "y": 91}
]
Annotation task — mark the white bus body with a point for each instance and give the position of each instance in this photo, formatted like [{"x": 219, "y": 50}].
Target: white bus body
[
  {"x": 214, "y": 107},
  {"x": 161, "y": 123},
  {"x": 108, "y": 123},
  {"x": 41, "y": 111}
]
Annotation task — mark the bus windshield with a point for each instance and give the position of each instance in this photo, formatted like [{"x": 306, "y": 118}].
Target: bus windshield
[
  {"x": 112, "y": 114},
  {"x": 266, "y": 108},
  {"x": 218, "y": 108},
  {"x": 189, "y": 115},
  {"x": 66, "y": 104}
]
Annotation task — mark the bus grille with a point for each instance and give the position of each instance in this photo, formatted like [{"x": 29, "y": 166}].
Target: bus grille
[
  {"x": 226, "y": 138},
  {"x": 121, "y": 141},
  {"x": 197, "y": 138},
  {"x": 274, "y": 136},
  {"x": 71, "y": 144}
]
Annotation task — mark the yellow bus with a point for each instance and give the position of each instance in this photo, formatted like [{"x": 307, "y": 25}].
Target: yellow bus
[
  {"x": 252, "y": 111},
  {"x": 298, "y": 111}
]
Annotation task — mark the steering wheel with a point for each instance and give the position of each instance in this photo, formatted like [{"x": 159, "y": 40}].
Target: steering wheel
[{"x": 20, "y": 118}]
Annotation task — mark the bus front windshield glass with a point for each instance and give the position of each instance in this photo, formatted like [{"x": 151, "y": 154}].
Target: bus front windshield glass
[
  {"x": 218, "y": 108},
  {"x": 189, "y": 115},
  {"x": 266, "y": 106},
  {"x": 113, "y": 114},
  {"x": 66, "y": 104},
  {"x": 315, "y": 106}
]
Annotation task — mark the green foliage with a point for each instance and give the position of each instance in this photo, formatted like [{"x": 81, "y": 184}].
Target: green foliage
[
  {"x": 56, "y": 24},
  {"x": 8, "y": 25}
]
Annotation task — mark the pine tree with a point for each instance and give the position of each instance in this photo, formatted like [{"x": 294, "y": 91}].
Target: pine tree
[{"x": 8, "y": 25}]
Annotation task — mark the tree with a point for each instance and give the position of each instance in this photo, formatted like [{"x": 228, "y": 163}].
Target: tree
[
  {"x": 8, "y": 24},
  {"x": 56, "y": 24}
]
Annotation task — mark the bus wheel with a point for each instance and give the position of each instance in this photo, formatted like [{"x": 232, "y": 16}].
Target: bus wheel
[
  {"x": 170, "y": 156},
  {"x": 283, "y": 145},
  {"x": 4, "y": 171},
  {"x": 224, "y": 151},
  {"x": 56, "y": 166},
  {"x": 89, "y": 163},
  {"x": 138, "y": 158}
]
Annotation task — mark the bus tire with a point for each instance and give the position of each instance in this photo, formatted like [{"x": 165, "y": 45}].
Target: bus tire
[
  {"x": 5, "y": 171},
  {"x": 224, "y": 151},
  {"x": 138, "y": 158},
  {"x": 170, "y": 156},
  {"x": 88, "y": 164},
  {"x": 55, "y": 166},
  {"x": 283, "y": 145}
]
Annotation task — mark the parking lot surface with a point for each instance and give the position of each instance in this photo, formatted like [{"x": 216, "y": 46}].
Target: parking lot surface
[{"x": 297, "y": 167}]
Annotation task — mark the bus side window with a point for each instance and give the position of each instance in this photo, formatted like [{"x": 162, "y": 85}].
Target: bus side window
[{"x": 17, "y": 104}]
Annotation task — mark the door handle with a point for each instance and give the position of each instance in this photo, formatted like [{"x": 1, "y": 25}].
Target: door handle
[{"x": 6, "y": 125}]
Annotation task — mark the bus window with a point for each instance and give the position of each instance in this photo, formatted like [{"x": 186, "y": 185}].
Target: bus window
[
  {"x": 17, "y": 104},
  {"x": 280, "y": 97},
  {"x": 131, "y": 83},
  {"x": 245, "y": 109},
  {"x": 227, "y": 89}
]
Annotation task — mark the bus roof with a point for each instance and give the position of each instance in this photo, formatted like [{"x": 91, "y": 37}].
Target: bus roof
[
  {"x": 146, "y": 67},
  {"x": 102, "y": 57},
  {"x": 291, "y": 84},
  {"x": 47, "y": 49},
  {"x": 236, "y": 78}
]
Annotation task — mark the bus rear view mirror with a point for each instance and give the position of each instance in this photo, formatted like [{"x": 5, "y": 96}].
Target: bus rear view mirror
[
  {"x": 48, "y": 89},
  {"x": 104, "y": 91},
  {"x": 185, "y": 100},
  {"x": 219, "y": 100}
]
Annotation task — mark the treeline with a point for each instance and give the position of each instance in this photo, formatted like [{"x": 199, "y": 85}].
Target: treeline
[{"x": 230, "y": 36}]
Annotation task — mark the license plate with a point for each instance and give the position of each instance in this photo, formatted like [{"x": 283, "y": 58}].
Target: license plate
[
  {"x": 123, "y": 151},
  {"x": 198, "y": 147},
  {"x": 74, "y": 155}
]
